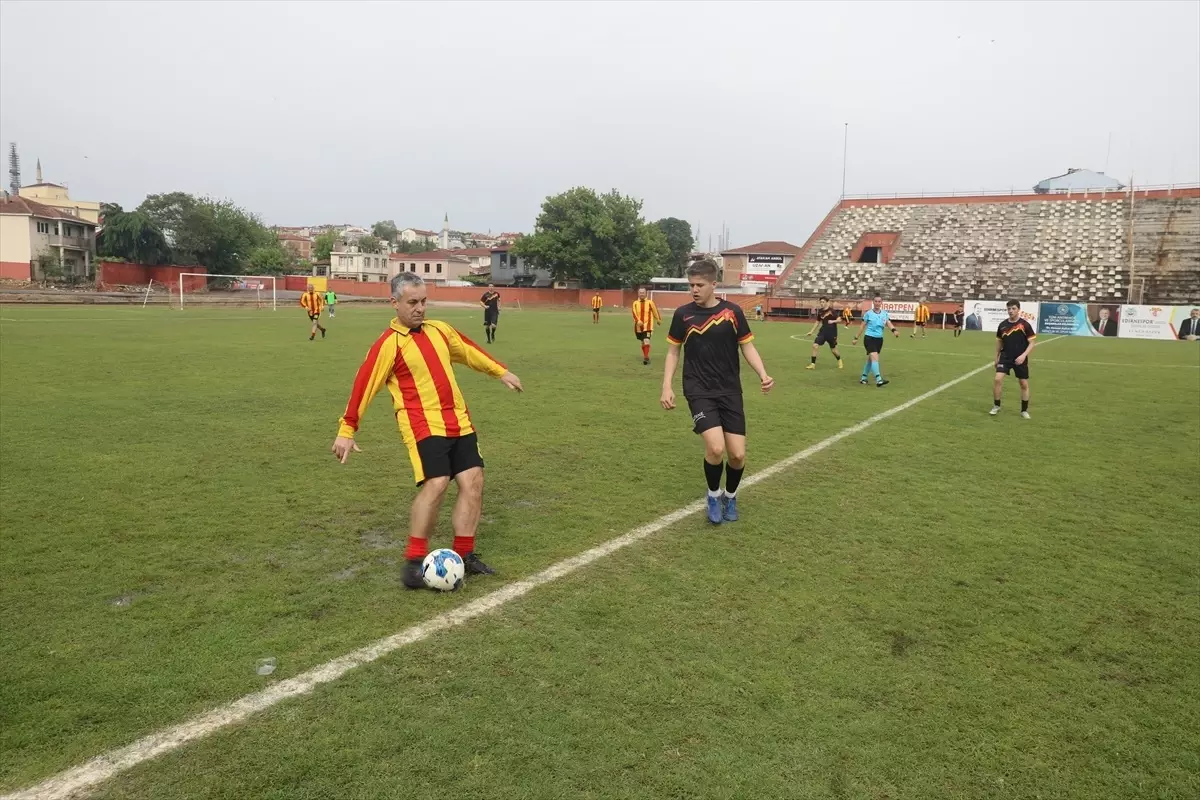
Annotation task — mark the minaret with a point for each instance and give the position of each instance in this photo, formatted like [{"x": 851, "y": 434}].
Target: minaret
[
  {"x": 445, "y": 243},
  {"x": 39, "y": 170}
]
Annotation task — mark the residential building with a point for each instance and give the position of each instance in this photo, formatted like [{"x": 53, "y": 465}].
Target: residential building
[
  {"x": 480, "y": 258},
  {"x": 412, "y": 235},
  {"x": 301, "y": 246},
  {"x": 509, "y": 269},
  {"x": 348, "y": 263},
  {"x": 56, "y": 196},
  {"x": 757, "y": 266},
  {"x": 436, "y": 265},
  {"x": 29, "y": 230}
]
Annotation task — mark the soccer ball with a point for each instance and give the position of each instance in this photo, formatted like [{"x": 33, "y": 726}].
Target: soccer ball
[{"x": 443, "y": 570}]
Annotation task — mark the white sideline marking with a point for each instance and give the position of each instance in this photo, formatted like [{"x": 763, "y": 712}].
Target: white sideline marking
[
  {"x": 74, "y": 781},
  {"x": 1061, "y": 361}
]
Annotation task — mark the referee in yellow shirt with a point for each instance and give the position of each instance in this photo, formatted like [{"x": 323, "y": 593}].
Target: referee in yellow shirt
[
  {"x": 920, "y": 318},
  {"x": 413, "y": 359}
]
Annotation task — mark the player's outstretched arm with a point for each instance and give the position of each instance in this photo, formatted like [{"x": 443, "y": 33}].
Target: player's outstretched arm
[
  {"x": 858, "y": 335},
  {"x": 667, "y": 399},
  {"x": 371, "y": 377},
  {"x": 750, "y": 353},
  {"x": 466, "y": 352}
]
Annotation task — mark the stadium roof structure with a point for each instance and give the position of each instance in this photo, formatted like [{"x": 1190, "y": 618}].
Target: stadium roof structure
[{"x": 1078, "y": 180}]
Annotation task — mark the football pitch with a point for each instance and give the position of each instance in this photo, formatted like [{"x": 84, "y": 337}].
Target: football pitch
[{"x": 940, "y": 604}]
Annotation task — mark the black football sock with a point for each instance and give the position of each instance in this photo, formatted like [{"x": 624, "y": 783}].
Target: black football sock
[
  {"x": 712, "y": 475},
  {"x": 733, "y": 477},
  {"x": 1024, "y": 405},
  {"x": 813, "y": 359},
  {"x": 997, "y": 402}
]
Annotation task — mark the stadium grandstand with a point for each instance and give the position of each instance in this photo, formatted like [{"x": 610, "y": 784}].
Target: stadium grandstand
[{"x": 1118, "y": 246}]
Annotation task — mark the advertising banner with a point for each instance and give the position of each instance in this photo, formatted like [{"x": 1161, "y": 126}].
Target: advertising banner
[
  {"x": 899, "y": 310},
  {"x": 986, "y": 315},
  {"x": 1158, "y": 322},
  {"x": 1078, "y": 319}
]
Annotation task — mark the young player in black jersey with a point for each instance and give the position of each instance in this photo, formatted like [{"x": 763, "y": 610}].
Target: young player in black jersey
[
  {"x": 1014, "y": 342},
  {"x": 710, "y": 331},
  {"x": 827, "y": 320}
]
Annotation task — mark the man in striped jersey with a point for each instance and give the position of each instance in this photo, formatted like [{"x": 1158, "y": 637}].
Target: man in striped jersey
[
  {"x": 920, "y": 319},
  {"x": 597, "y": 304},
  {"x": 311, "y": 302},
  {"x": 645, "y": 316},
  {"x": 413, "y": 359}
]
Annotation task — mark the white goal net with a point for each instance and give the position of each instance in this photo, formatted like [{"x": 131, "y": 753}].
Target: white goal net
[{"x": 259, "y": 291}]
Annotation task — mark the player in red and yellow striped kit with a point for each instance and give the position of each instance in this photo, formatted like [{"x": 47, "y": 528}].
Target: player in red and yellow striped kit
[
  {"x": 920, "y": 319},
  {"x": 645, "y": 317},
  {"x": 413, "y": 359},
  {"x": 597, "y": 304},
  {"x": 312, "y": 302}
]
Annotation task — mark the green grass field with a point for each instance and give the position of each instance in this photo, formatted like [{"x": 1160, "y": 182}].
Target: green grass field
[{"x": 943, "y": 605}]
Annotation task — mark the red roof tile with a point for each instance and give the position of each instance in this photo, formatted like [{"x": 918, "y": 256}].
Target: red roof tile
[{"x": 15, "y": 204}]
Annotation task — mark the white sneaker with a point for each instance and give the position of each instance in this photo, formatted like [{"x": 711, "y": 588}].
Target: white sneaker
[
  {"x": 995, "y": 410},
  {"x": 1024, "y": 415}
]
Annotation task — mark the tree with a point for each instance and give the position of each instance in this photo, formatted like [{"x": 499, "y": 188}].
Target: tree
[
  {"x": 216, "y": 234},
  {"x": 369, "y": 244},
  {"x": 271, "y": 259},
  {"x": 680, "y": 241},
  {"x": 599, "y": 240},
  {"x": 323, "y": 245},
  {"x": 386, "y": 230},
  {"x": 132, "y": 236}
]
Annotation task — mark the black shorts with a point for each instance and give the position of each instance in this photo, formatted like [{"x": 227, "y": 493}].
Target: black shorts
[
  {"x": 919, "y": 324},
  {"x": 491, "y": 317},
  {"x": 314, "y": 317},
  {"x": 826, "y": 338},
  {"x": 725, "y": 412},
  {"x": 873, "y": 343},
  {"x": 644, "y": 336},
  {"x": 1007, "y": 365},
  {"x": 443, "y": 457},
  {"x": 595, "y": 311}
]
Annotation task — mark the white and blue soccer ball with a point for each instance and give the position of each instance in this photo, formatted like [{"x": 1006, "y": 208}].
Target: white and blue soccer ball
[{"x": 443, "y": 570}]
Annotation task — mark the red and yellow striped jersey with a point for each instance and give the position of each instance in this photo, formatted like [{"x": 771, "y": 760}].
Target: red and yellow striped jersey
[
  {"x": 597, "y": 303},
  {"x": 922, "y": 313},
  {"x": 645, "y": 315},
  {"x": 847, "y": 313},
  {"x": 312, "y": 302},
  {"x": 415, "y": 365}
]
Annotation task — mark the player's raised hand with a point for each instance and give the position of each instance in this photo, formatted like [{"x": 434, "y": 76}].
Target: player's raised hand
[
  {"x": 668, "y": 399},
  {"x": 512, "y": 382},
  {"x": 343, "y": 446},
  {"x": 1020, "y": 359},
  {"x": 768, "y": 383}
]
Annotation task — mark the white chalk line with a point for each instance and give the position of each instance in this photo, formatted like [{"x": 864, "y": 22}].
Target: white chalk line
[{"x": 74, "y": 781}]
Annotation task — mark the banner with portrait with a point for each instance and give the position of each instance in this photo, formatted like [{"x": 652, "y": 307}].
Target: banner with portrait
[
  {"x": 986, "y": 315},
  {"x": 1079, "y": 319},
  {"x": 1159, "y": 322}
]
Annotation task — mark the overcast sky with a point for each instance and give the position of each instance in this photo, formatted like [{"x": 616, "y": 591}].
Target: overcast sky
[{"x": 310, "y": 112}]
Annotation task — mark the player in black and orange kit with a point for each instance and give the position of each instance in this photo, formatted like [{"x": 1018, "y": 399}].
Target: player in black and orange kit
[
  {"x": 597, "y": 304},
  {"x": 1014, "y": 343},
  {"x": 710, "y": 332},
  {"x": 957, "y": 317},
  {"x": 827, "y": 321},
  {"x": 491, "y": 312}
]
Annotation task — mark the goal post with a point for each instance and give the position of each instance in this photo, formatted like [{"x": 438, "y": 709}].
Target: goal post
[
  {"x": 264, "y": 288},
  {"x": 150, "y": 289}
]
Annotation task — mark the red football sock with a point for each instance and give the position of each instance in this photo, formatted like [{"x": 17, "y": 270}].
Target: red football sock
[
  {"x": 417, "y": 548},
  {"x": 645, "y": 351},
  {"x": 463, "y": 545}
]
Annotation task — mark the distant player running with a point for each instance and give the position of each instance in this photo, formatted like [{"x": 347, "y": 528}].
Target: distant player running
[
  {"x": 847, "y": 316},
  {"x": 311, "y": 302},
  {"x": 1014, "y": 343},
  {"x": 827, "y": 321},
  {"x": 597, "y": 304},
  {"x": 957, "y": 317},
  {"x": 491, "y": 312},
  {"x": 920, "y": 319},
  {"x": 710, "y": 331},
  {"x": 874, "y": 320},
  {"x": 330, "y": 301},
  {"x": 645, "y": 316}
]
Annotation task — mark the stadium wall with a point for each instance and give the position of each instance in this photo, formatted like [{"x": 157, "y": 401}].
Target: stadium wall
[
  {"x": 15, "y": 270},
  {"x": 112, "y": 274}
]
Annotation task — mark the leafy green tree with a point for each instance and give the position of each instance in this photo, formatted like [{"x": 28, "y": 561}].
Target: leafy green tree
[
  {"x": 216, "y": 234},
  {"x": 370, "y": 244},
  {"x": 323, "y": 245},
  {"x": 271, "y": 259},
  {"x": 386, "y": 230},
  {"x": 600, "y": 240},
  {"x": 132, "y": 236},
  {"x": 680, "y": 242}
]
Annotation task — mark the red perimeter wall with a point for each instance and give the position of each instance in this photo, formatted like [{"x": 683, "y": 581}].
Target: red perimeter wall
[{"x": 111, "y": 274}]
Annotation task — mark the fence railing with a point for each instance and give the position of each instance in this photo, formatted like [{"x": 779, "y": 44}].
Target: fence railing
[{"x": 1012, "y": 192}]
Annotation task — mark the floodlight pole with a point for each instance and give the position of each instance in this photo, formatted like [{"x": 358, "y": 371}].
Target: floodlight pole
[{"x": 845, "y": 146}]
